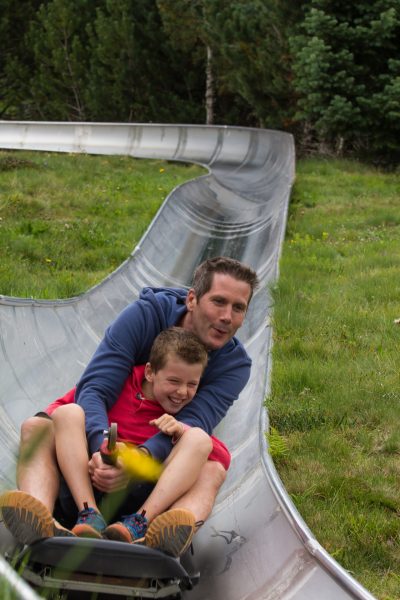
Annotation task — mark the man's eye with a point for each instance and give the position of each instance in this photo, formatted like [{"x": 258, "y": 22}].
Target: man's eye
[{"x": 239, "y": 308}]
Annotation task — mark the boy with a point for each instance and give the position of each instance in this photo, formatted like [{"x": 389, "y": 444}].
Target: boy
[{"x": 150, "y": 397}]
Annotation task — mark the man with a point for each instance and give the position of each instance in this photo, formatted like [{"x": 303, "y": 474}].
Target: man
[{"x": 214, "y": 308}]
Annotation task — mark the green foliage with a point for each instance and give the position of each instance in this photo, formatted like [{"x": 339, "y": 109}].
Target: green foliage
[
  {"x": 327, "y": 71},
  {"x": 335, "y": 396},
  {"x": 251, "y": 47},
  {"x": 58, "y": 41},
  {"x": 277, "y": 446},
  {"x": 132, "y": 68},
  {"x": 67, "y": 221},
  {"x": 347, "y": 74}
]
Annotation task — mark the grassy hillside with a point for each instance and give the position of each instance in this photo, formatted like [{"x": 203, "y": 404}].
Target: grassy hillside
[{"x": 335, "y": 397}]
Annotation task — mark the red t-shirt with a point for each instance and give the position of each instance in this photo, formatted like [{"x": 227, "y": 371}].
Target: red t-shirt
[{"x": 132, "y": 412}]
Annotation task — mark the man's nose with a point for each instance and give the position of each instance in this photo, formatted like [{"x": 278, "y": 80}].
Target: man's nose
[{"x": 226, "y": 314}]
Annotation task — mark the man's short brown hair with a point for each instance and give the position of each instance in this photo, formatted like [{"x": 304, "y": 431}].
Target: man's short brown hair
[
  {"x": 204, "y": 274},
  {"x": 179, "y": 342}
]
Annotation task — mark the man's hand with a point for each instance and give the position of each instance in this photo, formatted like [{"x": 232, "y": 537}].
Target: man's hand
[
  {"x": 107, "y": 478},
  {"x": 169, "y": 425}
]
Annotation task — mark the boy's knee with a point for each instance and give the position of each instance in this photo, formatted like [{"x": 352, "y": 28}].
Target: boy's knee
[
  {"x": 73, "y": 412},
  {"x": 198, "y": 438}
]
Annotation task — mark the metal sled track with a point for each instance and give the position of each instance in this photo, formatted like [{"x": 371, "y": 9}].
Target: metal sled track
[{"x": 255, "y": 545}]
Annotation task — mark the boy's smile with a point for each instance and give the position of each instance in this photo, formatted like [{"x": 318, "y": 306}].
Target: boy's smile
[{"x": 174, "y": 385}]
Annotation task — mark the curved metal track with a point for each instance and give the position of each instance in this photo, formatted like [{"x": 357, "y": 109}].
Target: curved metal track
[{"x": 255, "y": 545}]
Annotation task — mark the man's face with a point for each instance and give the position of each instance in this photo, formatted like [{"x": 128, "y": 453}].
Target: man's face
[
  {"x": 218, "y": 314},
  {"x": 175, "y": 384}
]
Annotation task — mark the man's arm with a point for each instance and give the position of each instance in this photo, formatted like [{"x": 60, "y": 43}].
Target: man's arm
[{"x": 126, "y": 342}]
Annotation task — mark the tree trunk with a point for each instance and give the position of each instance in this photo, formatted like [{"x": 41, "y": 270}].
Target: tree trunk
[{"x": 209, "y": 89}]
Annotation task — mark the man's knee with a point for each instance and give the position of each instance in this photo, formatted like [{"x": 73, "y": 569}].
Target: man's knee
[
  {"x": 36, "y": 427},
  {"x": 214, "y": 472},
  {"x": 36, "y": 432}
]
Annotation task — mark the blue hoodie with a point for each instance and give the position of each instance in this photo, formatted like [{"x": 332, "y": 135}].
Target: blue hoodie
[{"x": 127, "y": 342}]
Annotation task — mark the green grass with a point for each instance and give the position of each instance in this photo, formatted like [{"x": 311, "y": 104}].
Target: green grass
[
  {"x": 67, "y": 221},
  {"x": 335, "y": 397}
]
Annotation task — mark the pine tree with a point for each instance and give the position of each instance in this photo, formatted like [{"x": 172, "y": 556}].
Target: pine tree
[
  {"x": 58, "y": 40},
  {"x": 134, "y": 73},
  {"x": 16, "y": 61},
  {"x": 347, "y": 73},
  {"x": 252, "y": 42}
]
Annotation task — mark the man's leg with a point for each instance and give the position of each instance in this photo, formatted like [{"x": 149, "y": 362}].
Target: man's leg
[
  {"x": 200, "y": 499},
  {"x": 37, "y": 470},
  {"x": 27, "y": 512}
]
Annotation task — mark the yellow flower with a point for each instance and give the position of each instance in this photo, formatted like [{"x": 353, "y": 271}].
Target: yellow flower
[
  {"x": 140, "y": 465},
  {"x": 162, "y": 170}
]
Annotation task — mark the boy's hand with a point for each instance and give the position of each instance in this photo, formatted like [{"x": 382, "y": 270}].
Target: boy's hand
[
  {"x": 107, "y": 478},
  {"x": 169, "y": 425}
]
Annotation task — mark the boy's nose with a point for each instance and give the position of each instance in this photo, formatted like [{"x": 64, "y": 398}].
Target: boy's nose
[{"x": 182, "y": 390}]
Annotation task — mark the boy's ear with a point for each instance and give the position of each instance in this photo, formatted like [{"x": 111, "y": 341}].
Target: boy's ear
[{"x": 148, "y": 373}]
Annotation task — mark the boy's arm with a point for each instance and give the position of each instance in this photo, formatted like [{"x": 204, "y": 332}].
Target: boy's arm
[
  {"x": 208, "y": 407},
  {"x": 170, "y": 426}
]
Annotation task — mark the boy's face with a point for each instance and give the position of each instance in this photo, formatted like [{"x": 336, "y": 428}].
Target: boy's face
[
  {"x": 217, "y": 315},
  {"x": 175, "y": 384}
]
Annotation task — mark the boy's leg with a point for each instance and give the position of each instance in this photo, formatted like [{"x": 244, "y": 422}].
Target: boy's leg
[
  {"x": 173, "y": 530},
  {"x": 182, "y": 469},
  {"x": 72, "y": 455}
]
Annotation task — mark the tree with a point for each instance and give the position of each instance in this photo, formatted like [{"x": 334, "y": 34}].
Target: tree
[
  {"x": 134, "y": 72},
  {"x": 187, "y": 24},
  {"x": 16, "y": 61},
  {"x": 347, "y": 73},
  {"x": 58, "y": 40},
  {"x": 252, "y": 45}
]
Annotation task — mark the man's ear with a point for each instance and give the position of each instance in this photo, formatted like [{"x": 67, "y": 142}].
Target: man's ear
[
  {"x": 148, "y": 373},
  {"x": 190, "y": 299}
]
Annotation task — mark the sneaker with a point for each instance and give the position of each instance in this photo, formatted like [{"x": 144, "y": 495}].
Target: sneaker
[
  {"x": 171, "y": 532},
  {"x": 90, "y": 523},
  {"x": 131, "y": 529},
  {"x": 28, "y": 519}
]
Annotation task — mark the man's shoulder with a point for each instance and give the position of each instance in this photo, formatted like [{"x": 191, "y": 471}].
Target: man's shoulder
[
  {"x": 163, "y": 295},
  {"x": 232, "y": 355}
]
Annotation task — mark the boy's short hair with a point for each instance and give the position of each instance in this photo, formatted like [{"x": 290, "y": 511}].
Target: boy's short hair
[
  {"x": 184, "y": 344},
  {"x": 203, "y": 275}
]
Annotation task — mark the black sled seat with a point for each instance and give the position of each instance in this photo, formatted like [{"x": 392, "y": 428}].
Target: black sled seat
[{"x": 104, "y": 567}]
